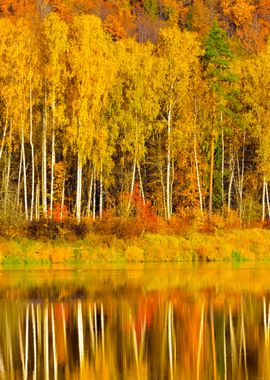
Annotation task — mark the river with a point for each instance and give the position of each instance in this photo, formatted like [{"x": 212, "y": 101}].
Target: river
[{"x": 140, "y": 321}]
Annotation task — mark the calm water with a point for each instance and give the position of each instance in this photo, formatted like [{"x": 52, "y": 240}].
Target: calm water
[{"x": 169, "y": 321}]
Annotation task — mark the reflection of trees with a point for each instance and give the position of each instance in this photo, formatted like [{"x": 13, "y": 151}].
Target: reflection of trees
[{"x": 157, "y": 335}]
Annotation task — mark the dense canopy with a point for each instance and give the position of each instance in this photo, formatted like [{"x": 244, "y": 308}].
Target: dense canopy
[{"x": 104, "y": 102}]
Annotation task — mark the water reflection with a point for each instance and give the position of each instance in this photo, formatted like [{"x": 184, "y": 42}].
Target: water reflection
[{"x": 119, "y": 333}]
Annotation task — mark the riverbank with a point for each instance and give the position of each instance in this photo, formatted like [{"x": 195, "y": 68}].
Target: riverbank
[{"x": 232, "y": 245}]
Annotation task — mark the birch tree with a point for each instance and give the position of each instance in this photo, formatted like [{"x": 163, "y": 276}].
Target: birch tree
[
  {"x": 56, "y": 33},
  {"x": 178, "y": 52},
  {"x": 89, "y": 59}
]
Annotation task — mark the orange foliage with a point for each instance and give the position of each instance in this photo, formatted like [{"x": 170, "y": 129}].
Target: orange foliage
[
  {"x": 114, "y": 27},
  {"x": 240, "y": 11},
  {"x": 18, "y": 7}
]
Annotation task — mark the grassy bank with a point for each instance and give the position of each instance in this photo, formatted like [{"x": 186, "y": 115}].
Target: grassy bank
[{"x": 233, "y": 245}]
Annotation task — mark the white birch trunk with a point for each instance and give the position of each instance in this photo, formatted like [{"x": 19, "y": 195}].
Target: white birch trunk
[
  {"x": 94, "y": 194},
  {"x": 242, "y": 176},
  {"x": 141, "y": 183},
  {"x": 63, "y": 195},
  {"x": 263, "y": 200},
  {"x": 90, "y": 191},
  {"x": 132, "y": 185},
  {"x": 37, "y": 199},
  {"x": 222, "y": 160},
  {"x": 7, "y": 179},
  {"x": 101, "y": 194},
  {"x": 24, "y": 177},
  {"x": 44, "y": 160},
  {"x": 4, "y": 135},
  {"x": 53, "y": 153},
  {"x": 19, "y": 181},
  {"x": 230, "y": 182},
  {"x": 197, "y": 172},
  {"x": 168, "y": 183},
  {"x": 267, "y": 199},
  {"x": 32, "y": 152},
  {"x": 79, "y": 189}
]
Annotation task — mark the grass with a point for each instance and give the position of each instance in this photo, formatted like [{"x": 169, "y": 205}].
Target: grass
[{"x": 232, "y": 245}]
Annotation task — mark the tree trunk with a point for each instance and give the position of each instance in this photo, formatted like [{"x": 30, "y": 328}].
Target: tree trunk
[
  {"x": 90, "y": 191},
  {"x": 8, "y": 170},
  {"x": 79, "y": 189},
  {"x": 263, "y": 200},
  {"x": 211, "y": 179},
  {"x": 132, "y": 185},
  {"x": 24, "y": 177},
  {"x": 4, "y": 135},
  {"x": 230, "y": 182},
  {"x": 44, "y": 159},
  {"x": 267, "y": 199},
  {"x": 222, "y": 160},
  {"x": 63, "y": 196},
  {"x": 19, "y": 181},
  {"x": 141, "y": 183},
  {"x": 7, "y": 178},
  {"x": 53, "y": 152},
  {"x": 197, "y": 172},
  {"x": 101, "y": 194},
  {"x": 242, "y": 177},
  {"x": 168, "y": 184},
  {"x": 94, "y": 194},
  {"x": 37, "y": 199},
  {"x": 32, "y": 152}
]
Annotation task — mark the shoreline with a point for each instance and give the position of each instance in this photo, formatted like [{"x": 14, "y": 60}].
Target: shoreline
[{"x": 229, "y": 246}]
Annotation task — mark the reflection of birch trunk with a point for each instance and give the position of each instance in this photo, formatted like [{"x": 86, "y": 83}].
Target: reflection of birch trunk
[
  {"x": 170, "y": 337},
  {"x": 95, "y": 321},
  {"x": 91, "y": 328},
  {"x": 266, "y": 320},
  {"x": 243, "y": 342},
  {"x": 54, "y": 343},
  {"x": 213, "y": 342},
  {"x": 224, "y": 347},
  {"x": 64, "y": 328},
  {"x": 200, "y": 343},
  {"x": 80, "y": 333},
  {"x": 9, "y": 344},
  {"x": 26, "y": 343},
  {"x": 2, "y": 366},
  {"x": 135, "y": 344},
  {"x": 232, "y": 339},
  {"x": 34, "y": 340},
  {"x": 142, "y": 340},
  {"x": 102, "y": 327},
  {"x": 46, "y": 343},
  {"x": 39, "y": 332},
  {"x": 21, "y": 344}
]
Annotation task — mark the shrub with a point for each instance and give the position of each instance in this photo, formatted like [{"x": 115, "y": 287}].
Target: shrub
[
  {"x": 237, "y": 256},
  {"x": 47, "y": 229}
]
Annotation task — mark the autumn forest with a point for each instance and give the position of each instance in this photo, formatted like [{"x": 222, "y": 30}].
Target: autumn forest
[{"x": 107, "y": 105}]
